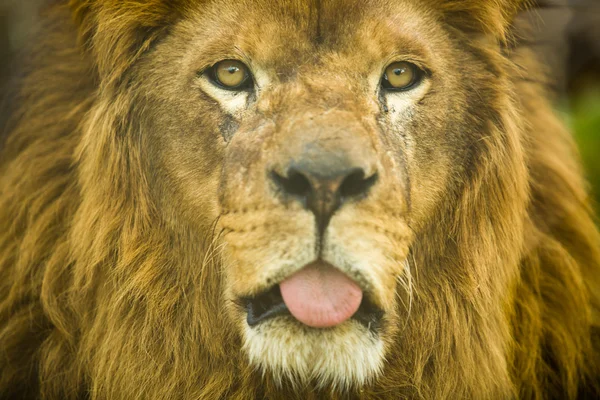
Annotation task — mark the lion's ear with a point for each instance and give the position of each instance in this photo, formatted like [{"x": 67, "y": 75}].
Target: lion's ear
[
  {"x": 117, "y": 32},
  {"x": 487, "y": 16}
]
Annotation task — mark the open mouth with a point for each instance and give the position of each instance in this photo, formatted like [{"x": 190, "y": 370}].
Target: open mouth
[{"x": 271, "y": 303}]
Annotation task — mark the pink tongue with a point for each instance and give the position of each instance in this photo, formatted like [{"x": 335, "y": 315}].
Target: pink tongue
[{"x": 321, "y": 296}]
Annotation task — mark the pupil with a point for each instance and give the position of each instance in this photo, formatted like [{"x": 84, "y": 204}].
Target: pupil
[
  {"x": 232, "y": 70},
  {"x": 398, "y": 71}
]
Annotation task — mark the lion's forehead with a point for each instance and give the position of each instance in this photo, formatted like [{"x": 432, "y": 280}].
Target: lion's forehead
[{"x": 299, "y": 36}]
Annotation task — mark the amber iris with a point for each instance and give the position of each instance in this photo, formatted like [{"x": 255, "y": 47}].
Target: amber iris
[
  {"x": 231, "y": 74},
  {"x": 400, "y": 76}
]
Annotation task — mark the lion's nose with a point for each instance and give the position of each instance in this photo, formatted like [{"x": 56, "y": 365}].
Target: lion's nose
[{"x": 323, "y": 187}]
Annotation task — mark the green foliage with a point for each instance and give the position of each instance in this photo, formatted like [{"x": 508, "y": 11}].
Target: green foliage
[{"x": 585, "y": 122}]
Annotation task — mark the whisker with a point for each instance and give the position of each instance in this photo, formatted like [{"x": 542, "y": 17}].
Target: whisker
[{"x": 412, "y": 254}]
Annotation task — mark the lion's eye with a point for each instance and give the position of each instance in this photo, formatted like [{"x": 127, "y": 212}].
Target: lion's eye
[
  {"x": 401, "y": 76},
  {"x": 231, "y": 75}
]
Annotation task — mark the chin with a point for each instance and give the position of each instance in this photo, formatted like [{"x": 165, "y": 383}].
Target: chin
[{"x": 345, "y": 356}]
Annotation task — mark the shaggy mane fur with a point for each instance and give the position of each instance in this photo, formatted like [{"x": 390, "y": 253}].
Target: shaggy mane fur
[{"x": 94, "y": 303}]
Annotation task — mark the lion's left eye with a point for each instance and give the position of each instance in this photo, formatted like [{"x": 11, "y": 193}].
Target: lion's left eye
[
  {"x": 401, "y": 76},
  {"x": 231, "y": 75}
]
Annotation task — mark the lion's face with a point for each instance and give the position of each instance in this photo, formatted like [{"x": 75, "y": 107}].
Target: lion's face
[{"x": 322, "y": 145}]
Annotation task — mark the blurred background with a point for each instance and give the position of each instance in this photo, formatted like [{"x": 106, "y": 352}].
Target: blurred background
[{"x": 566, "y": 34}]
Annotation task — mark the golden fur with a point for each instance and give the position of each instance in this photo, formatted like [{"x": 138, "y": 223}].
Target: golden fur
[{"x": 134, "y": 213}]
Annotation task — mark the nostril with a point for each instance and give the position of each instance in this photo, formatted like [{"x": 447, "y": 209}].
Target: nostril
[
  {"x": 356, "y": 184},
  {"x": 295, "y": 184}
]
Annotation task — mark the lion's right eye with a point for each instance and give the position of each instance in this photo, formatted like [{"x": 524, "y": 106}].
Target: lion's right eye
[{"x": 231, "y": 75}]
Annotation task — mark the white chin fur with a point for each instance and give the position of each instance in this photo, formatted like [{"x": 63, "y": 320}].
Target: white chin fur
[{"x": 346, "y": 356}]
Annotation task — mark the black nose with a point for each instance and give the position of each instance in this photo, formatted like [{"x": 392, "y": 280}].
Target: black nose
[{"x": 323, "y": 189}]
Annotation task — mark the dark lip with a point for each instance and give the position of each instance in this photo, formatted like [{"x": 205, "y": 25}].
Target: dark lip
[{"x": 269, "y": 304}]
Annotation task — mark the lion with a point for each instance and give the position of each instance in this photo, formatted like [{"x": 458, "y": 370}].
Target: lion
[{"x": 292, "y": 200}]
